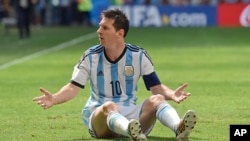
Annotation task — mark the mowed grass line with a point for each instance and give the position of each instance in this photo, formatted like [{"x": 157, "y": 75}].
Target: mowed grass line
[
  {"x": 216, "y": 69},
  {"x": 50, "y": 50},
  {"x": 11, "y": 47}
]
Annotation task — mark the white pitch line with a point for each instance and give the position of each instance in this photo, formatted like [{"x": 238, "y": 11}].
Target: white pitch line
[{"x": 52, "y": 49}]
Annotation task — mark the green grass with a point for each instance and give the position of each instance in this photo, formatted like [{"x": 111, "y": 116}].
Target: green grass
[{"x": 213, "y": 61}]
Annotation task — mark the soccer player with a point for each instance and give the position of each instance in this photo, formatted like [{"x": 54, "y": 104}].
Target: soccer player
[{"x": 113, "y": 69}]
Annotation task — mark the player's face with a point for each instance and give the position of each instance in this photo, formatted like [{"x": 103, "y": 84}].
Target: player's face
[{"x": 106, "y": 32}]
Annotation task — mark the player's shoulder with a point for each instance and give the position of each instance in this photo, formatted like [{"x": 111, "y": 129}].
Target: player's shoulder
[
  {"x": 134, "y": 48},
  {"x": 95, "y": 49}
]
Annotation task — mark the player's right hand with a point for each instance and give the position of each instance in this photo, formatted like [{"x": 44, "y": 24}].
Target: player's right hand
[{"x": 46, "y": 100}]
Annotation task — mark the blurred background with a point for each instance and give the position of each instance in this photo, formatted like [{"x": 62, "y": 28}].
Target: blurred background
[{"x": 25, "y": 14}]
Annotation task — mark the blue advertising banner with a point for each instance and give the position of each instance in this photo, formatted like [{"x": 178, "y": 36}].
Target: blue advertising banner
[
  {"x": 189, "y": 16},
  {"x": 158, "y": 16}
]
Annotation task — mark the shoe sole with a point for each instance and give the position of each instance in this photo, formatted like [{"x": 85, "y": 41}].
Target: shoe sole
[
  {"x": 189, "y": 122},
  {"x": 135, "y": 131}
]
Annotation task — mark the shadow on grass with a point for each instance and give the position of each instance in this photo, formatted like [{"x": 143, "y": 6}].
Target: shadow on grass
[{"x": 150, "y": 138}]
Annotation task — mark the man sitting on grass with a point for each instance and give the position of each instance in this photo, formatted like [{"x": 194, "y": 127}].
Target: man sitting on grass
[{"x": 113, "y": 69}]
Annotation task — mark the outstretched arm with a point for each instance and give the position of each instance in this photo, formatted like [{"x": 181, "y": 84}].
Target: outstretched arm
[
  {"x": 66, "y": 93},
  {"x": 178, "y": 95}
]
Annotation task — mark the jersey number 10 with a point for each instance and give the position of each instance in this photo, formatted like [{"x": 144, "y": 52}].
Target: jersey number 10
[{"x": 116, "y": 88}]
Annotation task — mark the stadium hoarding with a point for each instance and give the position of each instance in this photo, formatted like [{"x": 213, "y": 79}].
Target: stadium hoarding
[
  {"x": 188, "y": 16},
  {"x": 234, "y": 15},
  {"x": 221, "y": 15},
  {"x": 158, "y": 16}
]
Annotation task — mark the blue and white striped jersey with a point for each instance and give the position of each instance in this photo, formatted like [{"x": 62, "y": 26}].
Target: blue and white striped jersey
[{"x": 112, "y": 81}]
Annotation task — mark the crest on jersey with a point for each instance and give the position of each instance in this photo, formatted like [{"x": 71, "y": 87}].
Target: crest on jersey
[{"x": 128, "y": 70}]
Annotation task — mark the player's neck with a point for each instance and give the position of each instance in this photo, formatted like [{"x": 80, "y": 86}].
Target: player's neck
[{"x": 113, "y": 53}]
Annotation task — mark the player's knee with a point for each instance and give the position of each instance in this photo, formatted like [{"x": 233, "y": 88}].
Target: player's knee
[
  {"x": 156, "y": 99},
  {"x": 109, "y": 106}
]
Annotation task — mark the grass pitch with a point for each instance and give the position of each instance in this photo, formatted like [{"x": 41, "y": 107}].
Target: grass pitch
[{"x": 213, "y": 61}]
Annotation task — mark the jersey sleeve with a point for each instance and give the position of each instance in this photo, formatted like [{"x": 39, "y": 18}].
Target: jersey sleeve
[
  {"x": 149, "y": 75},
  {"x": 80, "y": 74}
]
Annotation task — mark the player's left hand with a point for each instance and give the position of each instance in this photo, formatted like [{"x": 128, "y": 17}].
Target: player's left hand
[{"x": 179, "y": 94}]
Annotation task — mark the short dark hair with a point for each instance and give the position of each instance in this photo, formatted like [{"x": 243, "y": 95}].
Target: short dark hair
[{"x": 121, "y": 19}]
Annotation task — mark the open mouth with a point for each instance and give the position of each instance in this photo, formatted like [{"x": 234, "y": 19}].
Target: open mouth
[{"x": 100, "y": 38}]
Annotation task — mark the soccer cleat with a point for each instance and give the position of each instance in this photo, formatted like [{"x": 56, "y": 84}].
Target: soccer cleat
[
  {"x": 186, "y": 125},
  {"x": 134, "y": 129}
]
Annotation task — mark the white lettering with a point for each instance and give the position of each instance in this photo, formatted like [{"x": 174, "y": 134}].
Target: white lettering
[
  {"x": 243, "y": 131},
  {"x": 245, "y": 17},
  {"x": 152, "y": 17},
  {"x": 239, "y": 132},
  {"x": 138, "y": 15},
  {"x": 143, "y": 15},
  {"x": 186, "y": 19}
]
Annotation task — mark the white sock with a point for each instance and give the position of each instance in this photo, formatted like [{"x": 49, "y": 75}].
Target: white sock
[
  {"x": 168, "y": 116},
  {"x": 117, "y": 123}
]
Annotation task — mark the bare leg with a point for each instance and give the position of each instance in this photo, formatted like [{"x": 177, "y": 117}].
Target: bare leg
[{"x": 99, "y": 120}]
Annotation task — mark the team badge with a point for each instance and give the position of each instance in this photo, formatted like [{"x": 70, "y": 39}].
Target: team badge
[{"x": 128, "y": 71}]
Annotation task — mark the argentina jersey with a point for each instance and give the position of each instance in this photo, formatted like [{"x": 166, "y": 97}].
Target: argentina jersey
[{"x": 111, "y": 81}]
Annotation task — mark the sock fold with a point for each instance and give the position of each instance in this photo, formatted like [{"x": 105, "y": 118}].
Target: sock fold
[
  {"x": 168, "y": 116},
  {"x": 117, "y": 123}
]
